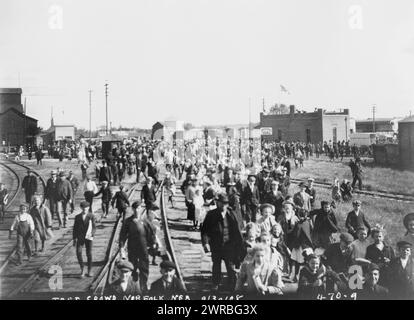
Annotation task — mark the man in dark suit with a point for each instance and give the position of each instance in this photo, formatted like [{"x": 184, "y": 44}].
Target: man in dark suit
[
  {"x": 105, "y": 172},
  {"x": 169, "y": 283},
  {"x": 356, "y": 219},
  {"x": 65, "y": 195},
  {"x": 125, "y": 285},
  {"x": 250, "y": 199},
  {"x": 29, "y": 185},
  {"x": 371, "y": 289},
  {"x": 52, "y": 195},
  {"x": 140, "y": 235},
  {"x": 148, "y": 195},
  {"x": 83, "y": 231},
  {"x": 121, "y": 202},
  {"x": 221, "y": 235},
  {"x": 325, "y": 225},
  {"x": 75, "y": 186},
  {"x": 106, "y": 197},
  {"x": 401, "y": 272}
]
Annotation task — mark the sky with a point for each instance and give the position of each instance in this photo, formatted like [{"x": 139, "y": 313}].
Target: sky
[{"x": 206, "y": 61}]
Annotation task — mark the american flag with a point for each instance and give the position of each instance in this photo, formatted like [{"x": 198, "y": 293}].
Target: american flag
[{"x": 283, "y": 89}]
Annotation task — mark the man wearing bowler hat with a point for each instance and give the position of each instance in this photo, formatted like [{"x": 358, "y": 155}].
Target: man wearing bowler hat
[
  {"x": 124, "y": 285},
  {"x": 169, "y": 283},
  {"x": 83, "y": 232},
  {"x": 140, "y": 235},
  {"x": 221, "y": 235},
  {"x": 52, "y": 195}
]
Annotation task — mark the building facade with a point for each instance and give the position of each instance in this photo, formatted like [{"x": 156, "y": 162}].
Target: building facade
[
  {"x": 15, "y": 125},
  {"x": 406, "y": 143},
  {"x": 382, "y": 125},
  {"x": 310, "y": 127}
]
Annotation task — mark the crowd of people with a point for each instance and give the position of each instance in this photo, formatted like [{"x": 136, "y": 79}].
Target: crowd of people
[{"x": 270, "y": 233}]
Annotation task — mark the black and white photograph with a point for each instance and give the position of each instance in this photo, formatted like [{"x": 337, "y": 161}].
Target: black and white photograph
[{"x": 238, "y": 150}]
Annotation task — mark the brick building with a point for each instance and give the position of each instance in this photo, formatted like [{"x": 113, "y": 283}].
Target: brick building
[
  {"x": 314, "y": 127},
  {"x": 15, "y": 126}
]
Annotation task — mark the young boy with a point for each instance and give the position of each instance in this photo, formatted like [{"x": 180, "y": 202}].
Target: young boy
[{"x": 24, "y": 225}]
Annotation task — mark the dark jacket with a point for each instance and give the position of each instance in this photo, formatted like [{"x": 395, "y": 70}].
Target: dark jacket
[
  {"x": 325, "y": 225},
  {"x": 29, "y": 184},
  {"x": 250, "y": 197},
  {"x": 376, "y": 292},
  {"x": 401, "y": 282},
  {"x": 105, "y": 174},
  {"x": 75, "y": 183},
  {"x": 51, "y": 191},
  {"x": 132, "y": 288},
  {"x": 148, "y": 194},
  {"x": 158, "y": 288},
  {"x": 212, "y": 232},
  {"x": 64, "y": 190},
  {"x": 336, "y": 260},
  {"x": 120, "y": 200},
  {"x": 80, "y": 227},
  {"x": 140, "y": 235},
  {"x": 354, "y": 221},
  {"x": 276, "y": 200}
]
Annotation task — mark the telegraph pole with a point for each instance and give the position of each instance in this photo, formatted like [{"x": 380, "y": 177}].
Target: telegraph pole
[
  {"x": 106, "y": 104},
  {"x": 90, "y": 114},
  {"x": 373, "y": 117}
]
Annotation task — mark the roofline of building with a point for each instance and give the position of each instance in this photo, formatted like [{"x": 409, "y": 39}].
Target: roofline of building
[
  {"x": 18, "y": 113},
  {"x": 11, "y": 90}
]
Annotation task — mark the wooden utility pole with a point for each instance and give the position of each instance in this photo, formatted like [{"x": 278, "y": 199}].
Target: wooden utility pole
[
  {"x": 90, "y": 114},
  {"x": 106, "y": 104},
  {"x": 373, "y": 117}
]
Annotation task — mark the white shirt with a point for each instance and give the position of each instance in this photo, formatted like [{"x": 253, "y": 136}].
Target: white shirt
[
  {"x": 91, "y": 186},
  {"x": 404, "y": 262},
  {"x": 23, "y": 217}
]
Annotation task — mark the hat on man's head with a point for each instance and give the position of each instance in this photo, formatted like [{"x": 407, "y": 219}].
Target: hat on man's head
[
  {"x": 62, "y": 174},
  {"x": 302, "y": 184},
  {"x": 222, "y": 197},
  {"x": 346, "y": 237},
  {"x": 231, "y": 183},
  {"x": 311, "y": 179},
  {"x": 105, "y": 182},
  {"x": 288, "y": 201},
  {"x": 125, "y": 265},
  {"x": 409, "y": 217},
  {"x": 136, "y": 204},
  {"x": 404, "y": 244},
  {"x": 84, "y": 204},
  {"x": 356, "y": 202},
  {"x": 275, "y": 181},
  {"x": 53, "y": 172},
  {"x": 324, "y": 202},
  {"x": 373, "y": 266},
  {"x": 167, "y": 264},
  {"x": 266, "y": 170},
  {"x": 251, "y": 175},
  {"x": 284, "y": 169}
]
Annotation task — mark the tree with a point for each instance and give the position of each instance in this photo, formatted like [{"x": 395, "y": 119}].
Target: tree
[{"x": 279, "y": 109}]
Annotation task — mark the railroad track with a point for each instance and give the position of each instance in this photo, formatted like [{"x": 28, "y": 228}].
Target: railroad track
[
  {"x": 376, "y": 194},
  {"x": 109, "y": 274},
  {"x": 19, "y": 171},
  {"x": 37, "y": 281}
]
